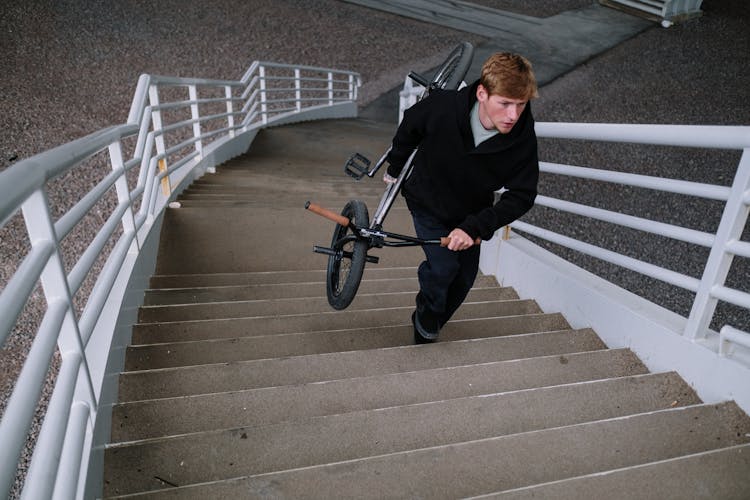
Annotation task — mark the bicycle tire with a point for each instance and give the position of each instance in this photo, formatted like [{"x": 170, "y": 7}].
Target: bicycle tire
[
  {"x": 346, "y": 266},
  {"x": 452, "y": 72}
]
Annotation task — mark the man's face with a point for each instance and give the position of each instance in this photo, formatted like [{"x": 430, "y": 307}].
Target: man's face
[{"x": 498, "y": 112}]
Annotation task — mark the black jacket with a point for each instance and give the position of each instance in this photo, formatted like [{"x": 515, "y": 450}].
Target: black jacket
[{"x": 455, "y": 181}]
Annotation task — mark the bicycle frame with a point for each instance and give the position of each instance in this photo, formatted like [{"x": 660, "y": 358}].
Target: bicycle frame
[
  {"x": 374, "y": 234},
  {"x": 391, "y": 191},
  {"x": 355, "y": 234}
]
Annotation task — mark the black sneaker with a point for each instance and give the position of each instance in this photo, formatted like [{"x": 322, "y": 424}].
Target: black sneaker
[{"x": 425, "y": 326}]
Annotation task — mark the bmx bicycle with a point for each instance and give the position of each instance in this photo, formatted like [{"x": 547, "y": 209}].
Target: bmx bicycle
[{"x": 354, "y": 234}]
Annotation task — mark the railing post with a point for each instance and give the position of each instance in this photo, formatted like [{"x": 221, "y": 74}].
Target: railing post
[
  {"x": 153, "y": 94},
  {"x": 730, "y": 335},
  {"x": 263, "y": 102},
  {"x": 330, "y": 89},
  {"x": 55, "y": 285},
  {"x": 54, "y": 280},
  {"x": 123, "y": 194},
  {"x": 72, "y": 461},
  {"x": 297, "y": 90},
  {"x": 195, "y": 114},
  {"x": 45, "y": 461},
  {"x": 719, "y": 259},
  {"x": 19, "y": 411},
  {"x": 230, "y": 109},
  {"x": 355, "y": 83},
  {"x": 147, "y": 175}
]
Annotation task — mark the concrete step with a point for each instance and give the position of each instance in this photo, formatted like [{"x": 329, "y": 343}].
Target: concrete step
[
  {"x": 161, "y": 303},
  {"x": 188, "y": 243},
  {"x": 334, "y": 201},
  {"x": 171, "y": 416},
  {"x": 153, "y": 356},
  {"x": 241, "y": 202},
  {"x": 180, "y": 331},
  {"x": 407, "y": 458},
  {"x": 161, "y": 281},
  {"x": 247, "y": 188},
  {"x": 242, "y": 382},
  {"x": 204, "y": 295},
  {"x": 243, "y": 375},
  {"x": 228, "y": 293},
  {"x": 492, "y": 297},
  {"x": 285, "y": 174},
  {"x": 721, "y": 473},
  {"x": 196, "y": 295}
]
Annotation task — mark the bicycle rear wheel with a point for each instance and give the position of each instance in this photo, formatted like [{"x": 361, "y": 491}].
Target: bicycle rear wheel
[
  {"x": 453, "y": 70},
  {"x": 347, "y": 264}
]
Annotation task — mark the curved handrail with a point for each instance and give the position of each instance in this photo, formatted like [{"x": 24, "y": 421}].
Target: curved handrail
[
  {"x": 166, "y": 160},
  {"x": 23, "y": 178},
  {"x": 697, "y": 136}
]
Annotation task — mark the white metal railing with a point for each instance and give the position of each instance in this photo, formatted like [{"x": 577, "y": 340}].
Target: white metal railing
[
  {"x": 174, "y": 127},
  {"x": 724, "y": 245}
]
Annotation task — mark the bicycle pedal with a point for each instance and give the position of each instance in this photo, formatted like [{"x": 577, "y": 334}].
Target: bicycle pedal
[
  {"x": 357, "y": 166},
  {"x": 372, "y": 259},
  {"x": 324, "y": 250}
]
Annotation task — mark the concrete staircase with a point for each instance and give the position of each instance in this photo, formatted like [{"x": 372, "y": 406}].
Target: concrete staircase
[{"x": 241, "y": 382}]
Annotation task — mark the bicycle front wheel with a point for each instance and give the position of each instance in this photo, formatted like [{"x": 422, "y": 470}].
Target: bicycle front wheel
[
  {"x": 347, "y": 264},
  {"x": 453, "y": 70}
]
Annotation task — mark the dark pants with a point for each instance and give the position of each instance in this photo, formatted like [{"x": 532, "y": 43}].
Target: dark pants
[{"x": 446, "y": 277}]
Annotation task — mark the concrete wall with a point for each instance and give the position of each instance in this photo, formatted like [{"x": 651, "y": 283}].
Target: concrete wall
[{"x": 621, "y": 318}]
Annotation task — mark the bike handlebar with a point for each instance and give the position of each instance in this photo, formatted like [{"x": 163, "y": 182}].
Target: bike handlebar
[
  {"x": 343, "y": 221},
  {"x": 424, "y": 82},
  {"x": 338, "y": 219}
]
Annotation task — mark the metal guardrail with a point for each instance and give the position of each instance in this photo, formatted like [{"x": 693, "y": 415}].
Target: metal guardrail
[
  {"x": 175, "y": 123},
  {"x": 724, "y": 245}
]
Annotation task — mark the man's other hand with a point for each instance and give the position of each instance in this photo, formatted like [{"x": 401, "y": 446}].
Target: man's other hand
[
  {"x": 388, "y": 179},
  {"x": 459, "y": 240}
]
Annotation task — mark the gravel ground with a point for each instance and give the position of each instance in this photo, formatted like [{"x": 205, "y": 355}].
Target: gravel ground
[{"x": 71, "y": 68}]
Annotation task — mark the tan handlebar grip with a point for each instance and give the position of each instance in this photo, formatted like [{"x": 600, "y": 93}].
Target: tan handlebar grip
[
  {"x": 445, "y": 241},
  {"x": 324, "y": 212}
]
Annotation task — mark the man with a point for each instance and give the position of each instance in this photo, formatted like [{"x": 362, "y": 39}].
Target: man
[{"x": 472, "y": 142}]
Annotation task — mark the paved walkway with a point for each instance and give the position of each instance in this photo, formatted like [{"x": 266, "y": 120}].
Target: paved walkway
[{"x": 555, "y": 44}]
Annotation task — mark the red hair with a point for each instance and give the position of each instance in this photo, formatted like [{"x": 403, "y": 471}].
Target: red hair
[{"x": 509, "y": 75}]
